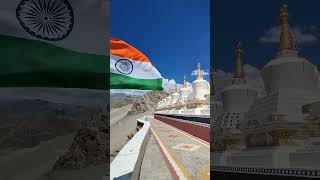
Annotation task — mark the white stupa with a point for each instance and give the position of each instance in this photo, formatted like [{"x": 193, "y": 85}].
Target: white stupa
[
  {"x": 200, "y": 87},
  {"x": 237, "y": 98},
  {"x": 281, "y": 129},
  {"x": 175, "y": 95},
  {"x": 175, "y": 102},
  {"x": 168, "y": 103},
  {"x": 291, "y": 82},
  {"x": 196, "y": 99},
  {"x": 184, "y": 93},
  {"x": 290, "y": 79}
]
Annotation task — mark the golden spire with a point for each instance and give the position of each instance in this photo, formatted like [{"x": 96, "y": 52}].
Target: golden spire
[
  {"x": 199, "y": 74},
  {"x": 184, "y": 81},
  {"x": 286, "y": 42},
  {"x": 239, "y": 73},
  {"x": 212, "y": 90}
]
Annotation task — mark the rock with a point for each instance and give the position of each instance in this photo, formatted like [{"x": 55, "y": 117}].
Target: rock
[
  {"x": 118, "y": 102},
  {"x": 90, "y": 145},
  {"x": 147, "y": 102}
]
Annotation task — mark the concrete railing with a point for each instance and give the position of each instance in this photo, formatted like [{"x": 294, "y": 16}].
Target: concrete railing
[{"x": 128, "y": 162}]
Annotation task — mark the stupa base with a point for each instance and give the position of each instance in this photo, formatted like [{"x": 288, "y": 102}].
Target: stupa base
[
  {"x": 285, "y": 161},
  {"x": 196, "y": 111}
]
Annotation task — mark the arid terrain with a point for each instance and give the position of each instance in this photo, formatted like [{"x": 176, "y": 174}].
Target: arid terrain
[
  {"x": 123, "y": 114},
  {"x": 49, "y": 139},
  {"x": 53, "y": 134}
]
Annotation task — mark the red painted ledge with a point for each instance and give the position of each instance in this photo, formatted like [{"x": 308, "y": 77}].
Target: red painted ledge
[{"x": 198, "y": 131}]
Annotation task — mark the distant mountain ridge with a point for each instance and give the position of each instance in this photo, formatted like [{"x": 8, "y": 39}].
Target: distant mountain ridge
[
  {"x": 84, "y": 97},
  {"x": 118, "y": 100},
  {"x": 25, "y": 107},
  {"x": 25, "y": 123}
]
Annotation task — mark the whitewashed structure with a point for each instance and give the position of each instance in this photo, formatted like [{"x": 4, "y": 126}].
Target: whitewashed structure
[
  {"x": 279, "y": 130},
  {"x": 188, "y": 102},
  {"x": 236, "y": 98},
  {"x": 291, "y": 82}
]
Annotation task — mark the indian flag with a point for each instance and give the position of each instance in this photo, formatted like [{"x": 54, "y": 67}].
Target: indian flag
[
  {"x": 131, "y": 69},
  {"x": 53, "y": 43}
]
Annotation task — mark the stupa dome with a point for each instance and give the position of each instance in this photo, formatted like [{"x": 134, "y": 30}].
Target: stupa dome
[
  {"x": 168, "y": 100},
  {"x": 184, "y": 92},
  {"x": 200, "y": 87},
  {"x": 175, "y": 96},
  {"x": 239, "y": 96},
  {"x": 288, "y": 72}
]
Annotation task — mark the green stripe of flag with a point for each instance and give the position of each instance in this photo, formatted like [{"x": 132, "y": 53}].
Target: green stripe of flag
[
  {"x": 118, "y": 81},
  {"x": 27, "y": 63}
]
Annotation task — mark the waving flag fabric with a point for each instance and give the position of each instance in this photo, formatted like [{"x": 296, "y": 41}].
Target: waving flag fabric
[
  {"x": 60, "y": 43},
  {"x": 131, "y": 69}
]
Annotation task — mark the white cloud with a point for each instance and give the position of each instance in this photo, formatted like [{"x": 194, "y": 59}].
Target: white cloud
[
  {"x": 223, "y": 79},
  {"x": 272, "y": 35},
  {"x": 204, "y": 73},
  {"x": 169, "y": 85},
  {"x": 315, "y": 28}
]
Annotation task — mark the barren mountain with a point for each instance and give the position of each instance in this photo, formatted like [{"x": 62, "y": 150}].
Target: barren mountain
[
  {"x": 148, "y": 102},
  {"x": 90, "y": 145},
  {"x": 25, "y": 123},
  {"x": 120, "y": 101}
]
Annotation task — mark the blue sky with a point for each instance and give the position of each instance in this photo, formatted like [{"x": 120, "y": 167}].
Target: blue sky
[
  {"x": 173, "y": 34},
  {"x": 249, "y": 21}
]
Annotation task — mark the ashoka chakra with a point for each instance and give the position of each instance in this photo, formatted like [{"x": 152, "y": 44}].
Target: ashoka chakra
[
  {"x": 124, "y": 66},
  {"x": 46, "y": 19}
]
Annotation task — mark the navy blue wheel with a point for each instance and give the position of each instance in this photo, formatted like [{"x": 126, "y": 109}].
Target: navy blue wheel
[
  {"x": 50, "y": 20},
  {"x": 124, "y": 66}
]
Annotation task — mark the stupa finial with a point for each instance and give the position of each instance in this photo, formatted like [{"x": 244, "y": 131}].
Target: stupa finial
[
  {"x": 239, "y": 72},
  {"x": 199, "y": 74},
  {"x": 184, "y": 81},
  {"x": 286, "y": 42}
]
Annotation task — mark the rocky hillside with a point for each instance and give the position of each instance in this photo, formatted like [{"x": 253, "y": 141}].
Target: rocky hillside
[
  {"x": 117, "y": 102},
  {"x": 148, "y": 102},
  {"x": 90, "y": 145}
]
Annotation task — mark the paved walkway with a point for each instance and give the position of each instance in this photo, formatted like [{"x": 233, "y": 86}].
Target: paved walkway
[
  {"x": 154, "y": 166},
  {"x": 185, "y": 156}
]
